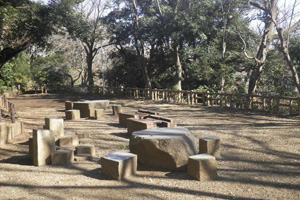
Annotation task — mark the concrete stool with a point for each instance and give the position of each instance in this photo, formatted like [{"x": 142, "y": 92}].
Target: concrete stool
[
  {"x": 3, "y": 133},
  {"x": 72, "y": 114},
  {"x": 61, "y": 157},
  {"x": 86, "y": 149},
  {"x": 116, "y": 109},
  {"x": 119, "y": 165},
  {"x": 56, "y": 125},
  {"x": 202, "y": 167},
  {"x": 68, "y": 105},
  {"x": 83, "y": 135},
  {"x": 210, "y": 145},
  {"x": 99, "y": 113},
  {"x": 68, "y": 140}
]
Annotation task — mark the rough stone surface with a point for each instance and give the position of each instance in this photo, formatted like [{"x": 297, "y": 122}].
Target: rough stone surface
[
  {"x": 164, "y": 148},
  {"x": 139, "y": 124},
  {"x": 43, "y": 146},
  {"x": 68, "y": 140},
  {"x": 116, "y": 109},
  {"x": 72, "y": 114},
  {"x": 86, "y": 149},
  {"x": 202, "y": 167},
  {"x": 99, "y": 114},
  {"x": 123, "y": 117},
  {"x": 56, "y": 125},
  {"x": 68, "y": 105},
  {"x": 210, "y": 145},
  {"x": 61, "y": 157},
  {"x": 119, "y": 165},
  {"x": 3, "y": 133}
]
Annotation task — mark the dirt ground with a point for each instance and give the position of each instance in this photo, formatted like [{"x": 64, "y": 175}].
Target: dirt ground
[{"x": 260, "y": 156}]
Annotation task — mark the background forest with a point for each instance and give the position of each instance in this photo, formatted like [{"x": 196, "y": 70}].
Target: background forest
[{"x": 233, "y": 46}]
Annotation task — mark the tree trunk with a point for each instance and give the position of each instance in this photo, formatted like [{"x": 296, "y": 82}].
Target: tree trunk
[
  {"x": 271, "y": 12},
  {"x": 178, "y": 74},
  {"x": 286, "y": 55},
  {"x": 89, "y": 62}
]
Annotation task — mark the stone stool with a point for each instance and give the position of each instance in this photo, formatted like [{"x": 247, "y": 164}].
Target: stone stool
[
  {"x": 86, "y": 149},
  {"x": 210, "y": 145},
  {"x": 72, "y": 114},
  {"x": 30, "y": 143},
  {"x": 68, "y": 140},
  {"x": 116, "y": 109},
  {"x": 202, "y": 167},
  {"x": 119, "y": 165},
  {"x": 68, "y": 105},
  {"x": 99, "y": 113},
  {"x": 61, "y": 157}
]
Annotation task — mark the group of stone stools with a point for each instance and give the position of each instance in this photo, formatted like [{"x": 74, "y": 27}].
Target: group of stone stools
[{"x": 51, "y": 146}]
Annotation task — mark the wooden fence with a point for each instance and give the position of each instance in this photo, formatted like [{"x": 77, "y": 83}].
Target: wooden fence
[
  {"x": 8, "y": 108},
  {"x": 271, "y": 104}
]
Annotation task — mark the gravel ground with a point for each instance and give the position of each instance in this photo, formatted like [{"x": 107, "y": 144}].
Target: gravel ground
[{"x": 260, "y": 156}]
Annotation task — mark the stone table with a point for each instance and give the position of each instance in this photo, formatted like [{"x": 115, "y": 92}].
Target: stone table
[
  {"x": 163, "y": 148},
  {"x": 87, "y": 108}
]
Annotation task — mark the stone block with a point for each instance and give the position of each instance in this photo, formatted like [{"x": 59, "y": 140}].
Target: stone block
[
  {"x": 82, "y": 157},
  {"x": 116, "y": 109},
  {"x": 202, "y": 167},
  {"x": 123, "y": 118},
  {"x": 68, "y": 140},
  {"x": 164, "y": 121},
  {"x": 86, "y": 149},
  {"x": 210, "y": 145},
  {"x": 43, "y": 146},
  {"x": 119, "y": 165},
  {"x": 3, "y": 133},
  {"x": 11, "y": 132},
  {"x": 83, "y": 135},
  {"x": 56, "y": 125},
  {"x": 139, "y": 124},
  {"x": 30, "y": 145},
  {"x": 150, "y": 112},
  {"x": 72, "y": 114},
  {"x": 99, "y": 114},
  {"x": 68, "y": 105},
  {"x": 86, "y": 108},
  {"x": 61, "y": 157}
]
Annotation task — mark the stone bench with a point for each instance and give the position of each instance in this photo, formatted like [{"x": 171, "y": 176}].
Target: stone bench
[
  {"x": 119, "y": 165},
  {"x": 116, "y": 109},
  {"x": 202, "y": 167},
  {"x": 87, "y": 108},
  {"x": 68, "y": 140},
  {"x": 165, "y": 122},
  {"x": 123, "y": 117},
  {"x": 148, "y": 112},
  {"x": 139, "y": 124},
  {"x": 72, "y": 114},
  {"x": 210, "y": 145},
  {"x": 85, "y": 149}
]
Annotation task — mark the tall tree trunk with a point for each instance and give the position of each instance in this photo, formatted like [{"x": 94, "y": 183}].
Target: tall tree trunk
[
  {"x": 139, "y": 48},
  {"x": 286, "y": 55},
  {"x": 178, "y": 74},
  {"x": 271, "y": 12},
  {"x": 89, "y": 61}
]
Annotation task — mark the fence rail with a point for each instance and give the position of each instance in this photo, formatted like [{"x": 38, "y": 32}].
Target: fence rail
[
  {"x": 8, "y": 108},
  {"x": 271, "y": 104}
]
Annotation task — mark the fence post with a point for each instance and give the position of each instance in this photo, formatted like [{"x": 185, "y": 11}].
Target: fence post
[
  {"x": 12, "y": 112},
  {"x": 291, "y": 107}
]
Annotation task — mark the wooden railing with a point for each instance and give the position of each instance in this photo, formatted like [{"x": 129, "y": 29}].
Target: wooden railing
[
  {"x": 271, "y": 104},
  {"x": 8, "y": 108}
]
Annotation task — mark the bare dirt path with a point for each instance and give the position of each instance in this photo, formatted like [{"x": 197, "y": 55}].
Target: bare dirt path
[{"x": 260, "y": 156}]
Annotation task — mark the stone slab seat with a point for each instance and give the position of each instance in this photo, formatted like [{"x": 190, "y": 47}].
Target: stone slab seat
[
  {"x": 61, "y": 157},
  {"x": 202, "y": 167},
  {"x": 163, "y": 148},
  {"x": 148, "y": 112},
  {"x": 123, "y": 117},
  {"x": 210, "y": 145},
  {"x": 139, "y": 124},
  {"x": 72, "y": 114},
  {"x": 85, "y": 149},
  {"x": 119, "y": 165},
  {"x": 87, "y": 108},
  {"x": 68, "y": 140},
  {"x": 166, "y": 122}
]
